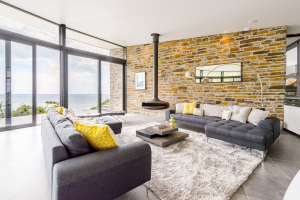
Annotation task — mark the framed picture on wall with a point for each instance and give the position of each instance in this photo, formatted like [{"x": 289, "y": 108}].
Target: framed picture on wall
[{"x": 140, "y": 81}]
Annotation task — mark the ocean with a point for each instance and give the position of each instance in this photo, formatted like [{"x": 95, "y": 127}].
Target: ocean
[{"x": 78, "y": 102}]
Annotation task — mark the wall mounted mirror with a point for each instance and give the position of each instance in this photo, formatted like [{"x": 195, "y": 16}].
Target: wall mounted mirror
[{"x": 229, "y": 72}]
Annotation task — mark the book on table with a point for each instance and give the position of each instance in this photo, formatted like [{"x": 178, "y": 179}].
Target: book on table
[{"x": 159, "y": 126}]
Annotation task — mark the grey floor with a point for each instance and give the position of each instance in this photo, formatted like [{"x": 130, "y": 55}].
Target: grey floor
[{"x": 22, "y": 170}]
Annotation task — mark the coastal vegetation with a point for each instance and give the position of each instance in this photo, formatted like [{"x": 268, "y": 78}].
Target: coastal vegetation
[
  {"x": 103, "y": 103},
  {"x": 24, "y": 109}
]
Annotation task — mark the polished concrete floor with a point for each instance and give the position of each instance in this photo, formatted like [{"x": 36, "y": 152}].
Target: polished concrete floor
[{"x": 22, "y": 170}]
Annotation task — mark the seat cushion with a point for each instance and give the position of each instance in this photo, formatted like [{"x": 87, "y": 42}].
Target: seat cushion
[
  {"x": 247, "y": 132},
  {"x": 110, "y": 121},
  {"x": 196, "y": 119}
]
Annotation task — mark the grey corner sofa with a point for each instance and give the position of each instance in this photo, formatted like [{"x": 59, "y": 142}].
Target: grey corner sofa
[
  {"x": 95, "y": 175},
  {"x": 259, "y": 137}
]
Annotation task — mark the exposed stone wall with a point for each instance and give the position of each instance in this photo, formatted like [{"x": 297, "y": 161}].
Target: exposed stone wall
[
  {"x": 116, "y": 84},
  {"x": 264, "y": 49}
]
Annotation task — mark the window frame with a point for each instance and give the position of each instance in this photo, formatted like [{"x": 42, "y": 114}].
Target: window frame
[{"x": 9, "y": 37}]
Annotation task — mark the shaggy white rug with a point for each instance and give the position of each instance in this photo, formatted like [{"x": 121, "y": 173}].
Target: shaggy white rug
[{"x": 193, "y": 169}]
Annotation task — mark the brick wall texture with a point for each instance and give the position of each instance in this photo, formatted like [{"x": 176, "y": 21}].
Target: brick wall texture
[
  {"x": 264, "y": 49},
  {"x": 116, "y": 81}
]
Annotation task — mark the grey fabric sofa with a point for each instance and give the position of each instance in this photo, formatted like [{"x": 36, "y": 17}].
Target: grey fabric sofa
[
  {"x": 97, "y": 175},
  {"x": 259, "y": 137}
]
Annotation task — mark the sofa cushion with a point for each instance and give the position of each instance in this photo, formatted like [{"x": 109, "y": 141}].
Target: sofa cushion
[
  {"x": 241, "y": 131},
  {"x": 52, "y": 113},
  {"x": 240, "y": 114},
  {"x": 179, "y": 108},
  {"x": 257, "y": 115},
  {"x": 189, "y": 108},
  {"x": 196, "y": 119},
  {"x": 57, "y": 119},
  {"x": 99, "y": 137},
  {"x": 73, "y": 141},
  {"x": 214, "y": 110}
]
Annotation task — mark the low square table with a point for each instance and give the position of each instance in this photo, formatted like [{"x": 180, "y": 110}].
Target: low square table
[{"x": 162, "y": 137}]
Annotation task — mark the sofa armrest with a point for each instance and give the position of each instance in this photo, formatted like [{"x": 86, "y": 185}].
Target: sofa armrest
[
  {"x": 103, "y": 174},
  {"x": 271, "y": 123},
  {"x": 168, "y": 113}
]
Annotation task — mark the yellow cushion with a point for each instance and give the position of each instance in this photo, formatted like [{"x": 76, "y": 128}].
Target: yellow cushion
[
  {"x": 60, "y": 110},
  {"x": 189, "y": 108},
  {"x": 99, "y": 136}
]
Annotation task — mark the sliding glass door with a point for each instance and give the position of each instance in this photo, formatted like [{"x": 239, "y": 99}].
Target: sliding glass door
[
  {"x": 83, "y": 84},
  {"x": 48, "y": 82},
  {"x": 21, "y": 84},
  {"x": 16, "y": 88}
]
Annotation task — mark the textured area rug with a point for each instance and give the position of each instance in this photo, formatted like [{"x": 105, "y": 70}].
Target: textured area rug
[{"x": 193, "y": 169}]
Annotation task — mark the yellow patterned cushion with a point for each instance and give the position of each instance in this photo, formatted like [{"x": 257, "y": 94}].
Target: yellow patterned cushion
[
  {"x": 98, "y": 136},
  {"x": 189, "y": 108},
  {"x": 60, "y": 110}
]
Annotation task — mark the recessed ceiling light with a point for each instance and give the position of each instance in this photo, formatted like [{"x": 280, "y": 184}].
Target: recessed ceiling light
[
  {"x": 247, "y": 29},
  {"x": 252, "y": 21},
  {"x": 225, "y": 31}
]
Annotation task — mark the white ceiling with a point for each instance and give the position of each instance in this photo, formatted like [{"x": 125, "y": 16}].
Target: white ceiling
[{"x": 131, "y": 22}]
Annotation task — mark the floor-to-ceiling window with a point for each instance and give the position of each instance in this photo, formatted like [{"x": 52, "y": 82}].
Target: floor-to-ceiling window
[
  {"x": 44, "y": 65},
  {"x": 48, "y": 83},
  {"x": 21, "y": 84},
  {"x": 82, "y": 85}
]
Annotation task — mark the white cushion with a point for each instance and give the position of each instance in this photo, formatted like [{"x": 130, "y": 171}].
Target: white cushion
[
  {"x": 240, "y": 114},
  {"x": 226, "y": 114},
  {"x": 179, "y": 108},
  {"x": 214, "y": 110},
  {"x": 198, "y": 111},
  {"x": 257, "y": 115}
]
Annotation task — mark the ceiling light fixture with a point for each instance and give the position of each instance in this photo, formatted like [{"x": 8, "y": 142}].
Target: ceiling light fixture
[
  {"x": 253, "y": 21},
  {"x": 225, "y": 31},
  {"x": 247, "y": 29}
]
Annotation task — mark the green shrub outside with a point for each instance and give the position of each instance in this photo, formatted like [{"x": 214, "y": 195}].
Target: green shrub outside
[
  {"x": 24, "y": 109},
  {"x": 103, "y": 103}
]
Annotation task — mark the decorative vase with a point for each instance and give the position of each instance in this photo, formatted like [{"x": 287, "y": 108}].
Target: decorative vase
[{"x": 172, "y": 124}]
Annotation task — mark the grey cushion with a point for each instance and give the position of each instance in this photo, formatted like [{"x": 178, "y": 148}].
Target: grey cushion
[
  {"x": 110, "y": 121},
  {"x": 52, "y": 113},
  {"x": 246, "y": 132},
  {"x": 196, "y": 119},
  {"x": 74, "y": 142},
  {"x": 57, "y": 119}
]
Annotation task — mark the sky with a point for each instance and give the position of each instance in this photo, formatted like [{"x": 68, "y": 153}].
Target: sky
[{"x": 82, "y": 71}]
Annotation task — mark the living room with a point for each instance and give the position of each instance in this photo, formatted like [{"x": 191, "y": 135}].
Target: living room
[{"x": 153, "y": 100}]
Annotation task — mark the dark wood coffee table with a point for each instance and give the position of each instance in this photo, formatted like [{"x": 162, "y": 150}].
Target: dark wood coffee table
[{"x": 162, "y": 137}]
